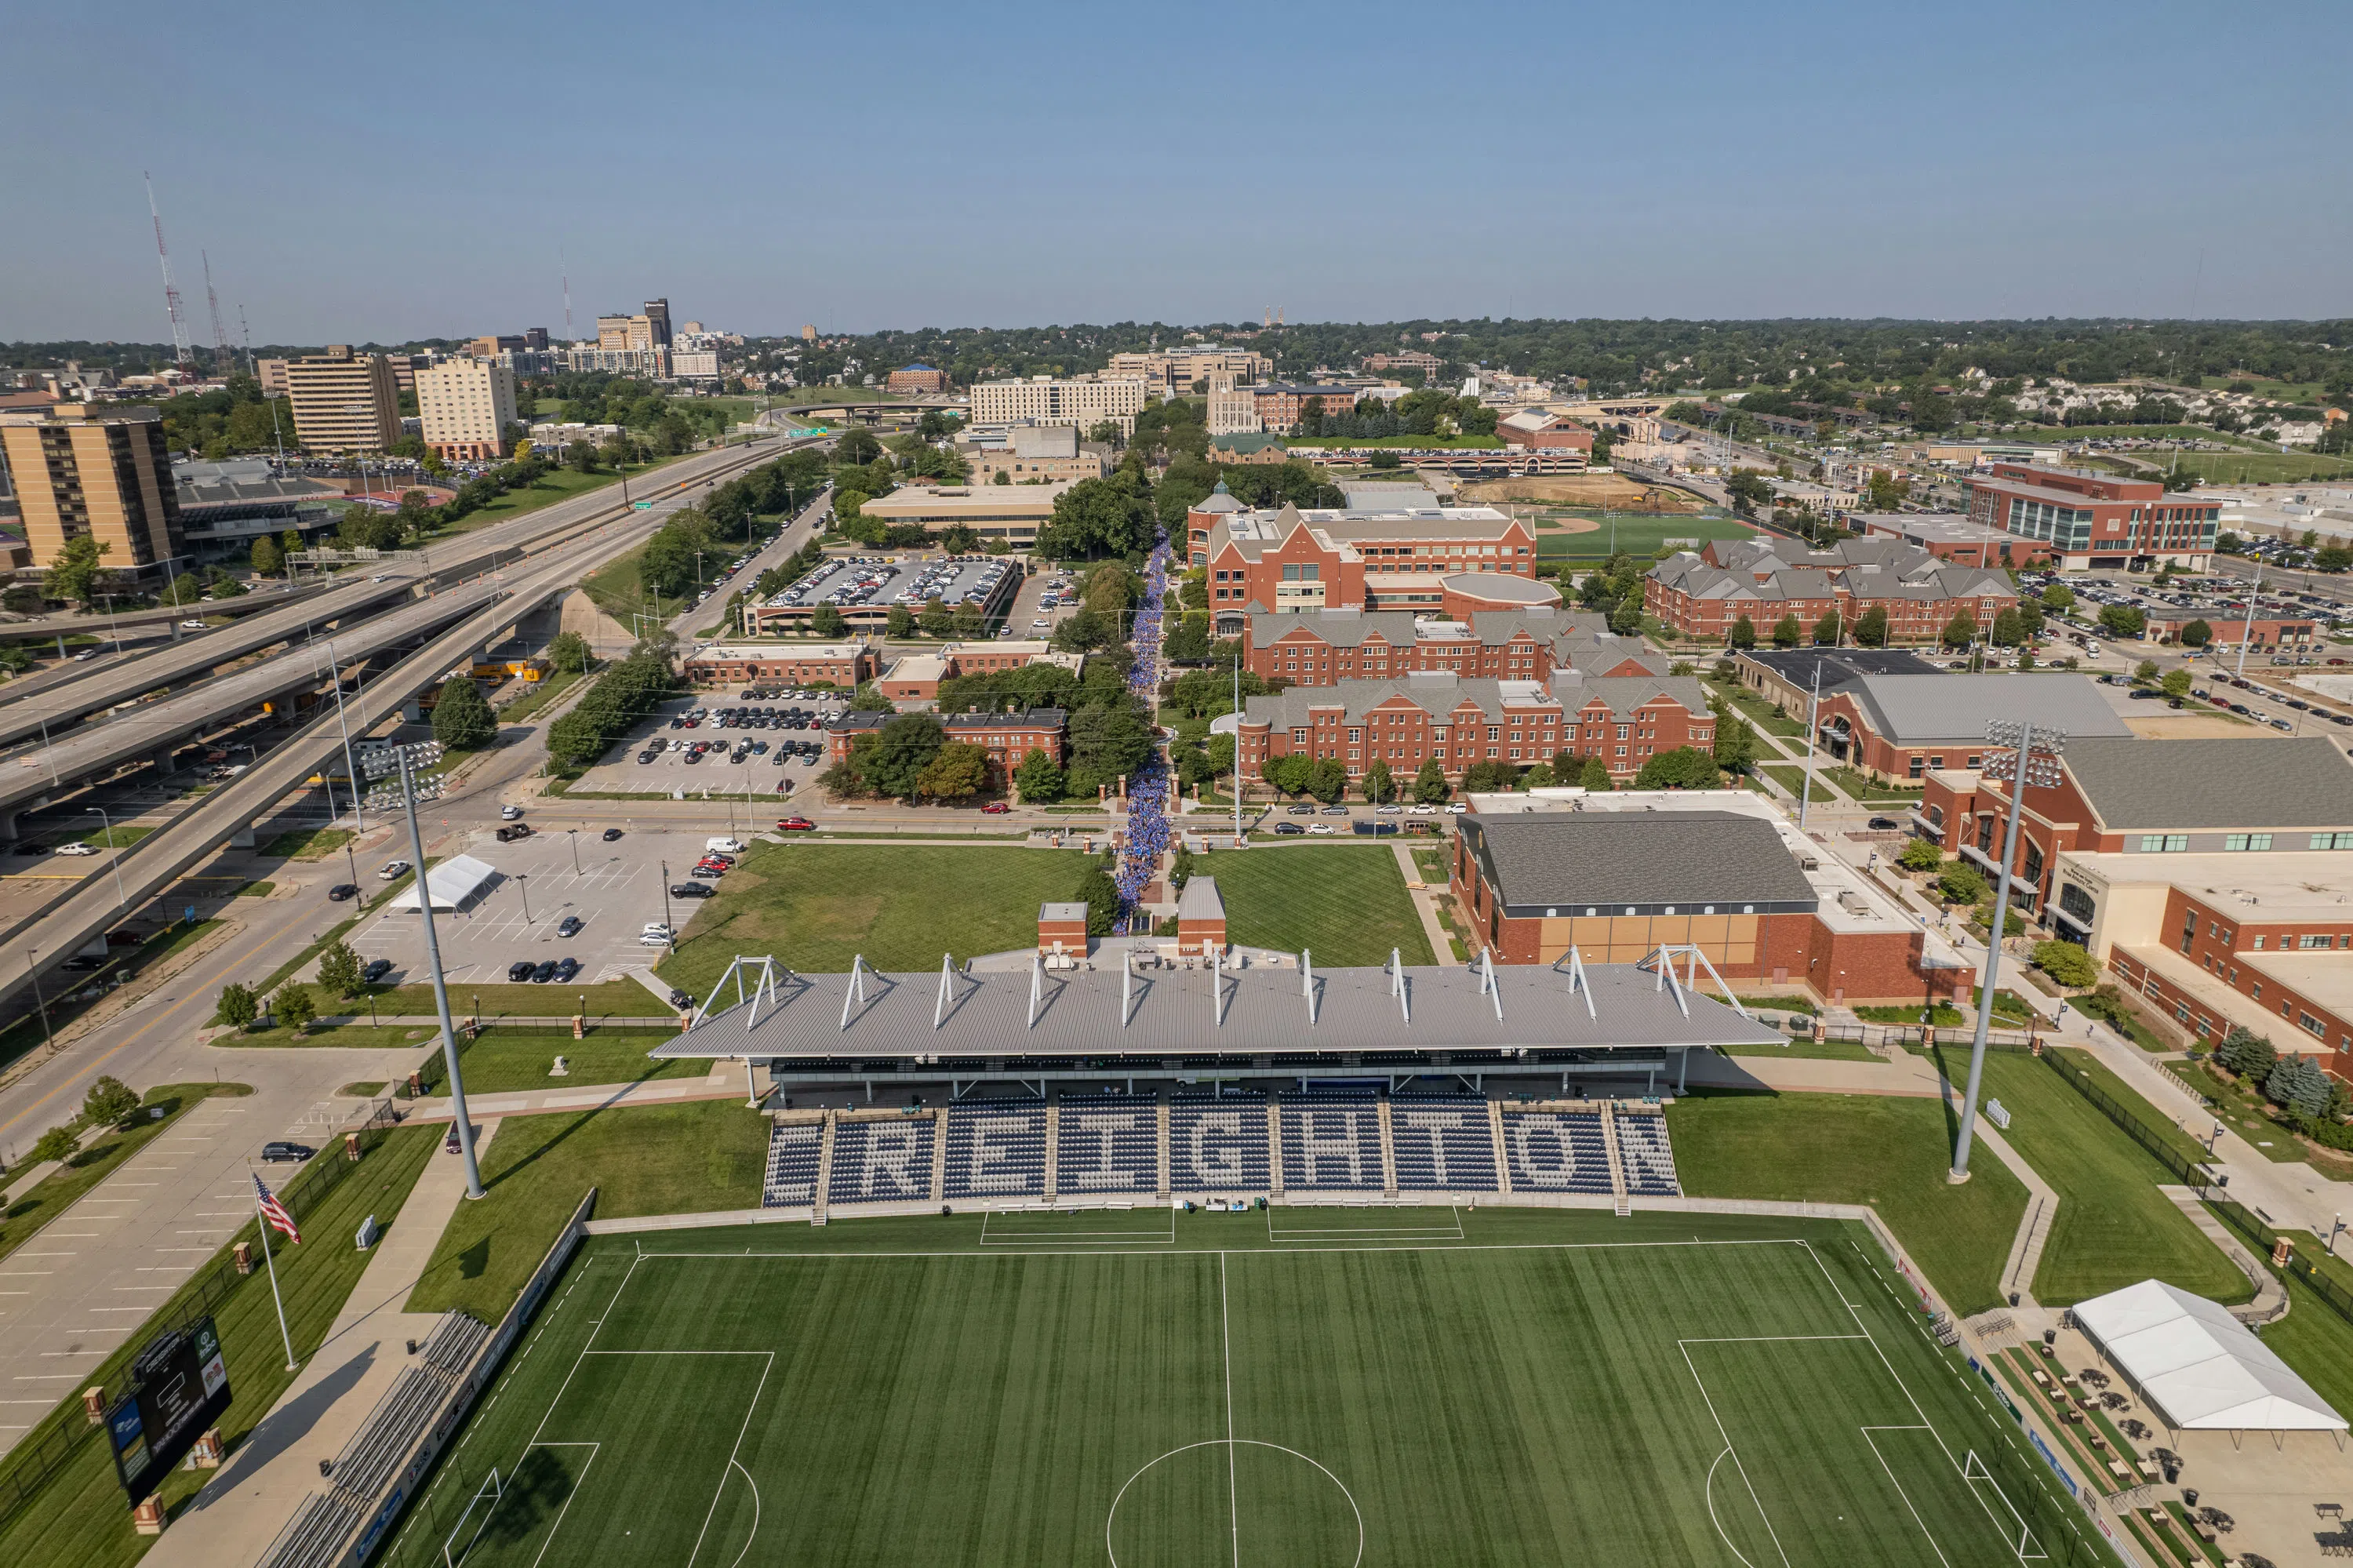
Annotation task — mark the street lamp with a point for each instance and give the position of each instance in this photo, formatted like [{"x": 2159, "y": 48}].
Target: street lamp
[
  {"x": 115, "y": 862},
  {"x": 522, "y": 886},
  {"x": 571, "y": 837},
  {"x": 403, "y": 791},
  {"x": 33, "y": 969},
  {"x": 2028, "y": 756}
]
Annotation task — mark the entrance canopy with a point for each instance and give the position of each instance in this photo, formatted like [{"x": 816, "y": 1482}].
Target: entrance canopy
[
  {"x": 454, "y": 883},
  {"x": 2201, "y": 1367}
]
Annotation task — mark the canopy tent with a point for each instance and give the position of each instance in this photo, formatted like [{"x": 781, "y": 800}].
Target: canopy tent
[
  {"x": 454, "y": 883},
  {"x": 2200, "y": 1368}
]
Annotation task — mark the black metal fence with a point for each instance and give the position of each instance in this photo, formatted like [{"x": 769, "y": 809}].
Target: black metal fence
[
  {"x": 2305, "y": 1272},
  {"x": 55, "y": 1440},
  {"x": 2160, "y": 1146}
]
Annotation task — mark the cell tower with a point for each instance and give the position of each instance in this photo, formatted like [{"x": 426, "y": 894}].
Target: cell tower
[
  {"x": 181, "y": 353},
  {"x": 563, "y": 267},
  {"x": 220, "y": 338},
  {"x": 245, "y": 334}
]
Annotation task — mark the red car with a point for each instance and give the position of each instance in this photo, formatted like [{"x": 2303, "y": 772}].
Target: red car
[
  {"x": 994, "y": 808},
  {"x": 795, "y": 825}
]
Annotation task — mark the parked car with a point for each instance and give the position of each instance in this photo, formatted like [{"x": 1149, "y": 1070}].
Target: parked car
[
  {"x": 391, "y": 870},
  {"x": 569, "y": 926},
  {"x": 996, "y": 808},
  {"x": 1302, "y": 809},
  {"x": 655, "y": 935},
  {"x": 611, "y": 834},
  {"x": 1335, "y": 811},
  {"x": 693, "y": 890},
  {"x": 1289, "y": 828},
  {"x": 795, "y": 825},
  {"x": 376, "y": 969},
  {"x": 544, "y": 971},
  {"x": 280, "y": 1150},
  {"x": 520, "y": 971},
  {"x": 344, "y": 890}
]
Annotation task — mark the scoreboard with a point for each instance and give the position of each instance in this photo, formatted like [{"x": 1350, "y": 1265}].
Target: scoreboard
[{"x": 179, "y": 1390}]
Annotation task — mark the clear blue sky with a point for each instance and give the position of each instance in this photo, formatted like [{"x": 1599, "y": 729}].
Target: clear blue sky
[{"x": 921, "y": 164}]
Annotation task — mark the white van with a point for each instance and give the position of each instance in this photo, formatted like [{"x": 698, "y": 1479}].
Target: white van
[{"x": 722, "y": 846}]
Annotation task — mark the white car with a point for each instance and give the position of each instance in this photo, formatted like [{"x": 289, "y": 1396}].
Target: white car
[
  {"x": 1456, "y": 807},
  {"x": 1423, "y": 809},
  {"x": 391, "y": 870},
  {"x": 510, "y": 813},
  {"x": 76, "y": 847},
  {"x": 192, "y": 626},
  {"x": 655, "y": 935},
  {"x": 1322, "y": 828}
]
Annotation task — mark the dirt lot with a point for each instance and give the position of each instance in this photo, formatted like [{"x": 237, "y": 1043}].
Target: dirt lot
[
  {"x": 1610, "y": 490},
  {"x": 2194, "y": 726}
]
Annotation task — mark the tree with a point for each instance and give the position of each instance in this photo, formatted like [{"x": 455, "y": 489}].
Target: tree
[
  {"x": 1098, "y": 517},
  {"x": 1962, "y": 884},
  {"x": 1627, "y": 618},
  {"x": 2066, "y": 963},
  {"x": 1686, "y": 768},
  {"x": 2297, "y": 1082},
  {"x": 901, "y": 621},
  {"x": 57, "y": 1144},
  {"x": 2145, "y": 671},
  {"x": 1039, "y": 778},
  {"x": 1327, "y": 780},
  {"x": 893, "y": 762},
  {"x": 1595, "y": 777},
  {"x": 957, "y": 771},
  {"x": 2175, "y": 683},
  {"x": 857, "y": 445},
  {"x": 461, "y": 719},
  {"x": 569, "y": 650},
  {"x": 1429, "y": 785},
  {"x": 2246, "y": 1052},
  {"x": 238, "y": 1007},
  {"x": 827, "y": 622},
  {"x": 2197, "y": 634},
  {"x": 1744, "y": 632},
  {"x": 1099, "y": 894},
  {"x": 339, "y": 969},
  {"x": 1828, "y": 629},
  {"x": 1377, "y": 784},
  {"x": 1735, "y": 744},
  {"x": 1920, "y": 855},
  {"x": 2009, "y": 629},
  {"x": 1871, "y": 628},
  {"x": 2058, "y": 598},
  {"x": 1786, "y": 631},
  {"x": 293, "y": 1007},
  {"x": 108, "y": 1101},
  {"x": 76, "y": 574},
  {"x": 937, "y": 619},
  {"x": 1748, "y": 492},
  {"x": 2122, "y": 621},
  {"x": 1960, "y": 631}
]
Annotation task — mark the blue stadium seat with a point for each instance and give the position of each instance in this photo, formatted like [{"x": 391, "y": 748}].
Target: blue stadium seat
[
  {"x": 1443, "y": 1143},
  {"x": 793, "y": 1150},
  {"x": 881, "y": 1161},
  {"x": 1557, "y": 1151},
  {"x": 997, "y": 1149},
  {"x": 1331, "y": 1141},
  {"x": 1643, "y": 1155},
  {"x": 1107, "y": 1145},
  {"x": 1217, "y": 1143}
]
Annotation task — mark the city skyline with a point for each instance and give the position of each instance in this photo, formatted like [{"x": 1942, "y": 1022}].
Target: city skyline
[{"x": 1834, "y": 161}]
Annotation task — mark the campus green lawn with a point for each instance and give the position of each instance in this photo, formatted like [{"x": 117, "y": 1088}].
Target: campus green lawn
[
  {"x": 504, "y": 1060},
  {"x": 1637, "y": 534},
  {"x": 1556, "y": 1387},
  {"x": 77, "y": 1519},
  {"x": 609, "y": 999},
  {"x": 1759, "y": 712},
  {"x": 2316, "y": 1343},
  {"x": 2113, "y": 1227},
  {"x": 815, "y": 906},
  {"x": 1346, "y": 903},
  {"x": 99, "y": 1157},
  {"x": 1888, "y": 1151},
  {"x": 646, "y": 1160}
]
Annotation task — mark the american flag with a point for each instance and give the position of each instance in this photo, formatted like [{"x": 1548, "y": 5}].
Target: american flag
[{"x": 274, "y": 1212}]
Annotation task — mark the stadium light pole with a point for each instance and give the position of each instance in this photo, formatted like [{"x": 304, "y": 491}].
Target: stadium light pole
[
  {"x": 405, "y": 793},
  {"x": 2023, "y": 766}
]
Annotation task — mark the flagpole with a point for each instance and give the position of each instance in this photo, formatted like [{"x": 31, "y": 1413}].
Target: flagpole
[{"x": 269, "y": 1261}]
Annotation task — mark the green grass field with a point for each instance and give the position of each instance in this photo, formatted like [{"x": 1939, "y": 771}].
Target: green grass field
[
  {"x": 1552, "y": 1387},
  {"x": 1636, "y": 535},
  {"x": 817, "y": 906},
  {"x": 1346, "y": 903}
]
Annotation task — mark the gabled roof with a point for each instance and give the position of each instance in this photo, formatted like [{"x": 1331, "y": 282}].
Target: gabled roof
[
  {"x": 1200, "y": 900},
  {"x": 1624, "y": 693},
  {"x": 1607, "y": 861},
  {"x": 1437, "y": 692},
  {"x": 1916, "y": 710},
  {"x": 2186, "y": 786},
  {"x": 2202, "y": 1368}
]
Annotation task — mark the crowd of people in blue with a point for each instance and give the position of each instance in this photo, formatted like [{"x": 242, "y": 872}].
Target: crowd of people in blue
[{"x": 1148, "y": 827}]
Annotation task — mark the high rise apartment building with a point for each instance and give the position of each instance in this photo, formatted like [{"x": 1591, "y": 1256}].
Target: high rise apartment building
[
  {"x": 344, "y": 402},
  {"x": 104, "y": 473},
  {"x": 465, "y": 407},
  {"x": 1043, "y": 401},
  {"x": 647, "y": 330}
]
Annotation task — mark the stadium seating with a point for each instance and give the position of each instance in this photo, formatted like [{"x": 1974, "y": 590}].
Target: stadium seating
[
  {"x": 1557, "y": 1151},
  {"x": 997, "y": 1149},
  {"x": 1217, "y": 1143},
  {"x": 1107, "y": 1144},
  {"x": 793, "y": 1150},
  {"x": 881, "y": 1161},
  {"x": 1644, "y": 1156},
  {"x": 1443, "y": 1143},
  {"x": 1331, "y": 1141}
]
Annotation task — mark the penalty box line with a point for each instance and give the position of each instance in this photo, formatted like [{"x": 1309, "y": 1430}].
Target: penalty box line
[{"x": 1085, "y": 1238}]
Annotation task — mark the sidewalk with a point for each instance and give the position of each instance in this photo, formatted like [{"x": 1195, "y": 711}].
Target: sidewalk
[
  {"x": 1425, "y": 904},
  {"x": 726, "y": 1081},
  {"x": 244, "y": 1507}
]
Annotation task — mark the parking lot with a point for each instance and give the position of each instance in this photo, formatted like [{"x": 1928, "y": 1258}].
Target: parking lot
[
  {"x": 752, "y": 747},
  {"x": 618, "y": 888},
  {"x": 1044, "y": 602},
  {"x": 879, "y": 582}
]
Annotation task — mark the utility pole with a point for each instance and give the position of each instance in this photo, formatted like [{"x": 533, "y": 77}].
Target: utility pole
[{"x": 1813, "y": 706}]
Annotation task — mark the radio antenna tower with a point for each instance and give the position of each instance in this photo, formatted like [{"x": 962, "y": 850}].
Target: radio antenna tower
[
  {"x": 220, "y": 339},
  {"x": 181, "y": 353},
  {"x": 567, "y": 272},
  {"x": 244, "y": 333}
]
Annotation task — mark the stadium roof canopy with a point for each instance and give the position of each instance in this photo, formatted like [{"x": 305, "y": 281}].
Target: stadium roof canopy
[
  {"x": 2201, "y": 1367},
  {"x": 454, "y": 883},
  {"x": 1291, "y": 1014}
]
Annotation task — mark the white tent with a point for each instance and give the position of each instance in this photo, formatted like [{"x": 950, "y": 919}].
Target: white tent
[
  {"x": 2201, "y": 1367},
  {"x": 454, "y": 883}
]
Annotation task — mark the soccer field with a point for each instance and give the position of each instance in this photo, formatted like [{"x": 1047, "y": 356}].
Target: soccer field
[{"x": 1290, "y": 1386}]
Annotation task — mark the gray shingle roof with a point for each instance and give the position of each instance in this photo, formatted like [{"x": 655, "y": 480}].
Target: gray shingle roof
[
  {"x": 1624, "y": 693},
  {"x": 2185, "y": 786},
  {"x": 1915, "y": 710},
  {"x": 1436, "y": 692},
  {"x": 1614, "y": 861}
]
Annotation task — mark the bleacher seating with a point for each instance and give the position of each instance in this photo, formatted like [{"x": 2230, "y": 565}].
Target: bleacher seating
[
  {"x": 1217, "y": 1143},
  {"x": 1443, "y": 1143},
  {"x": 881, "y": 1161},
  {"x": 997, "y": 1149},
  {"x": 793, "y": 1157},
  {"x": 1331, "y": 1141},
  {"x": 1107, "y": 1144},
  {"x": 1557, "y": 1151},
  {"x": 1644, "y": 1156}
]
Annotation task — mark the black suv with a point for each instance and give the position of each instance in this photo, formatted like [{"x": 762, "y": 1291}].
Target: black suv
[
  {"x": 520, "y": 971},
  {"x": 280, "y": 1150}
]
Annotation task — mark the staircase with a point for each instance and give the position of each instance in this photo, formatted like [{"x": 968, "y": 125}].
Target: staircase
[{"x": 1621, "y": 1203}]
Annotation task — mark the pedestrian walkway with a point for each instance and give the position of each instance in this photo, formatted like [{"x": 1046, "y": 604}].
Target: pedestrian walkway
[
  {"x": 1425, "y": 904},
  {"x": 727, "y": 1080},
  {"x": 242, "y": 1508}
]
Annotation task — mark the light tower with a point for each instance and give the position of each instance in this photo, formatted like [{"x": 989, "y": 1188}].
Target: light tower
[
  {"x": 181, "y": 353},
  {"x": 221, "y": 350}
]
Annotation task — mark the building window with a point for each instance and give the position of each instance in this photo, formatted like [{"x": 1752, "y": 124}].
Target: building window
[
  {"x": 2311, "y": 1024},
  {"x": 2164, "y": 844},
  {"x": 2321, "y": 941},
  {"x": 2259, "y": 942},
  {"x": 2247, "y": 842},
  {"x": 2330, "y": 841}
]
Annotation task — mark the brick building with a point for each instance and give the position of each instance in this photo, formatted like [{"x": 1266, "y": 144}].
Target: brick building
[
  {"x": 1279, "y": 404},
  {"x": 1743, "y": 888},
  {"x": 1952, "y": 537},
  {"x": 1009, "y": 739},
  {"x": 913, "y": 678},
  {"x": 918, "y": 377},
  {"x": 1200, "y": 919},
  {"x": 1348, "y": 559},
  {"x": 2087, "y": 518},
  {"x": 842, "y": 664},
  {"x": 1535, "y": 429},
  {"x": 1704, "y": 596},
  {"x": 1317, "y": 648}
]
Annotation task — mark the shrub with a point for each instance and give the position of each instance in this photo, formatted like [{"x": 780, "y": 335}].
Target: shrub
[
  {"x": 1962, "y": 884},
  {"x": 293, "y": 1006},
  {"x": 1920, "y": 855},
  {"x": 58, "y": 1143},
  {"x": 238, "y": 1006},
  {"x": 2066, "y": 963},
  {"x": 2246, "y": 1052},
  {"x": 112, "y": 1100},
  {"x": 2297, "y": 1082}
]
